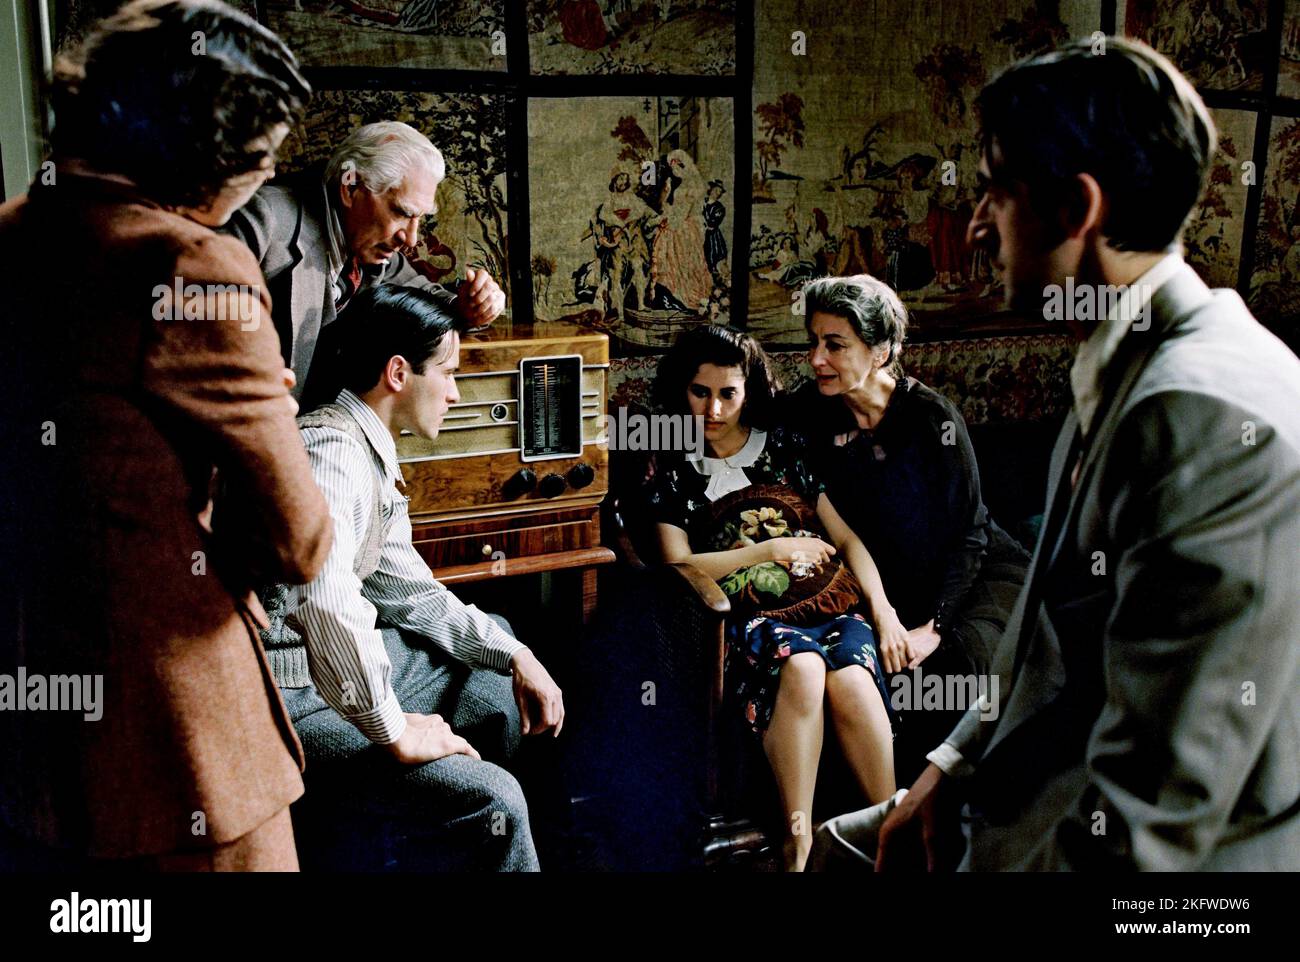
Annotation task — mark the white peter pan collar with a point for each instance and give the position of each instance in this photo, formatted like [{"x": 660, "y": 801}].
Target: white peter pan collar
[{"x": 727, "y": 474}]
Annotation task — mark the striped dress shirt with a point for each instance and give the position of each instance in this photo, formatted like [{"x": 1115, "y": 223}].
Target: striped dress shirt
[{"x": 338, "y": 613}]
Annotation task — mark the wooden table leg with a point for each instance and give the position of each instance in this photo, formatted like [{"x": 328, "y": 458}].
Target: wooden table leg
[{"x": 588, "y": 594}]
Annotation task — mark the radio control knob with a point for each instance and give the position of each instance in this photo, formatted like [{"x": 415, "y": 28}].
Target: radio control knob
[
  {"x": 551, "y": 486},
  {"x": 519, "y": 484},
  {"x": 581, "y": 475}
]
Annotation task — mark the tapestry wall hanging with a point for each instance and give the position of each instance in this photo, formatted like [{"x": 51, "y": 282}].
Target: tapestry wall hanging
[
  {"x": 683, "y": 37},
  {"x": 445, "y": 34},
  {"x": 865, "y": 148},
  {"x": 630, "y": 213}
]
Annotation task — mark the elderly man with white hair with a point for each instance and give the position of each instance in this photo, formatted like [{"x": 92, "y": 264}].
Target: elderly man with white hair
[{"x": 326, "y": 233}]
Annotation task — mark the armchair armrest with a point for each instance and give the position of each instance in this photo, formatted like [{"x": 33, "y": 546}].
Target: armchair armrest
[{"x": 704, "y": 588}]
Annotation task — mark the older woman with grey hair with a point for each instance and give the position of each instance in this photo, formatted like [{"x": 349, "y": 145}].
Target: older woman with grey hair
[{"x": 895, "y": 455}]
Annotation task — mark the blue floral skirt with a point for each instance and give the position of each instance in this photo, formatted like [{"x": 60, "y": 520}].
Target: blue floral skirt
[{"x": 759, "y": 648}]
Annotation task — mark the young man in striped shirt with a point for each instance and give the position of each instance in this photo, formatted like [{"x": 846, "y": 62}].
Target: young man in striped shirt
[{"x": 375, "y": 652}]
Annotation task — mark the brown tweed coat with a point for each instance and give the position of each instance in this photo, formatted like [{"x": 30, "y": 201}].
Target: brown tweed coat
[{"x": 120, "y": 423}]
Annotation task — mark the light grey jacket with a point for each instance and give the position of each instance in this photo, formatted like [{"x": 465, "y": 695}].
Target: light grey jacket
[{"x": 1150, "y": 670}]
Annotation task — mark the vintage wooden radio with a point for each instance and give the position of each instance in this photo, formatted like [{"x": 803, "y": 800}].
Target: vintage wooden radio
[{"x": 514, "y": 481}]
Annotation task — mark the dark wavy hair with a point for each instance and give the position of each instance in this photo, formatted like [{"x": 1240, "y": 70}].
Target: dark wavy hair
[
  {"x": 1125, "y": 115},
  {"x": 387, "y": 320},
  {"x": 725, "y": 347},
  {"x": 136, "y": 99}
]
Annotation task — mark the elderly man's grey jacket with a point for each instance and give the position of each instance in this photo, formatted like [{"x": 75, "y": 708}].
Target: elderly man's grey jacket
[{"x": 1153, "y": 660}]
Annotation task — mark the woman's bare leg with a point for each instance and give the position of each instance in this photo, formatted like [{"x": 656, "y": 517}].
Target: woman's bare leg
[
  {"x": 793, "y": 743},
  {"x": 862, "y": 725}
]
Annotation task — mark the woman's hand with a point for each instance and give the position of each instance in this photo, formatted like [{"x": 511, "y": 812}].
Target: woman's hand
[
  {"x": 795, "y": 550},
  {"x": 895, "y": 648},
  {"x": 923, "y": 641}
]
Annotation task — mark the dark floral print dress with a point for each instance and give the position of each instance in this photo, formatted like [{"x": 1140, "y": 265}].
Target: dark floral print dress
[{"x": 682, "y": 490}]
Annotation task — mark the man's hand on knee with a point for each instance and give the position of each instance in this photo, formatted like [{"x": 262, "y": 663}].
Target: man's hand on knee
[
  {"x": 541, "y": 704},
  {"x": 428, "y": 738}
]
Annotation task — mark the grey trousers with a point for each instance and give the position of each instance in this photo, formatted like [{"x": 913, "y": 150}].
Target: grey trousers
[{"x": 366, "y": 811}]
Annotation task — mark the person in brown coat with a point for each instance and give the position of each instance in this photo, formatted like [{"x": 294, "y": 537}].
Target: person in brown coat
[{"x": 141, "y": 376}]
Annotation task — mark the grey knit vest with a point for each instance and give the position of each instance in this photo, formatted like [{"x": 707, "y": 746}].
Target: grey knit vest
[{"x": 285, "y": 648}]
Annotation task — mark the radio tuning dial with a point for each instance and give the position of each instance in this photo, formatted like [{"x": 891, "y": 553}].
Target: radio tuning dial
[
  {"x": 581, "y": 475},
  {"x": 551, "y": 486},
  {"x": 519, "y": 484}
]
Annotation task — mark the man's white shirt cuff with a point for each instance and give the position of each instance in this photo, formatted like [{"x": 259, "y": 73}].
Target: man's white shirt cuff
[
  {"x": 383, "y": 724},
  {"x": 950, "y": 760}
]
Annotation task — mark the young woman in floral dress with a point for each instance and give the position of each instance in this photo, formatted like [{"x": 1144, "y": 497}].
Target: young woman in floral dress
[{"x": 787, "y": 676}]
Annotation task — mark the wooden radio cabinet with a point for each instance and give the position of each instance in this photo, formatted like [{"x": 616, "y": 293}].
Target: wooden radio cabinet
[{"x": 514, "y": 481}]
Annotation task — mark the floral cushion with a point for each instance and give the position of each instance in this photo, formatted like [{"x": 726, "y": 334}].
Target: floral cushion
[{"x": 795, "y": 593}]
